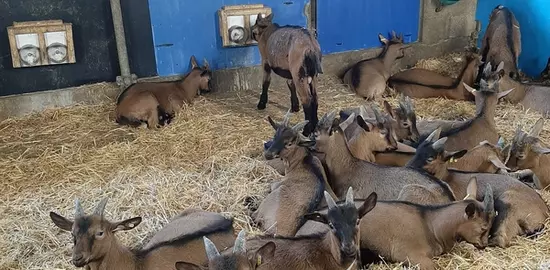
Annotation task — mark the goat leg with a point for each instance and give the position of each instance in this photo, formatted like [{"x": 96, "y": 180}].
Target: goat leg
[
  {"x": 294, "y": 106},
  {"x": 265, "y": 86}
]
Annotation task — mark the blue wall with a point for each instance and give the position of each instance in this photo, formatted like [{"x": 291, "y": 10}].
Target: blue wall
[
  {"x": 534, "y": 19},
  {"x": 185, "y": 27},
  {"x": 355, "y": 25}
]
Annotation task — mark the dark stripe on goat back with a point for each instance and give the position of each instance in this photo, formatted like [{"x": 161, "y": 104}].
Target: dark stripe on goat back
[
  {"x": 289, "y": 26},
  {"x": 124, "y": 94},
  {"x": 455, "y": 83},
  {"x": 319, "y": 189},
  {"x": 510, "y": 33},
  {"x": 222, "y": 226},
  {"x": 356, "y": 74},
  {"x": 502, "y": 209}
]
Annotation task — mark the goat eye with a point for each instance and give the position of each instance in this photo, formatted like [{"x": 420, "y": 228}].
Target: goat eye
[
  {"x": 99, "y": 234},
  {"x": 430, "y": 159}
]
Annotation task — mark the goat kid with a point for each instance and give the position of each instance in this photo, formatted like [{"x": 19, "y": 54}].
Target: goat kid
[
  {"x": 236, "y": 260},
  {"x": 367, "y": 78},
  {"x": 156, "y": 103},
  {"x": 97, "y": 248},
  {"x": 294, "y": 54}
]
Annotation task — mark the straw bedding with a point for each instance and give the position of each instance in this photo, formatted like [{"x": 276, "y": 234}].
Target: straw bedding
[{"x": 209, "y": 157}]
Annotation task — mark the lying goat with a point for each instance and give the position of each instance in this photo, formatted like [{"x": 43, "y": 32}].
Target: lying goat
[
  {"x": 96, "y": 246},
  {"x": 401, "y": 231},
  {"x": 482, "y": 127},
  {"x": 367, "y": 78},
  {"x": 344, "y": 170},
  {"x": 148, "y": 102},
  {"x": 337, "y": 248},
  {"x": 520, "y": 209},
  {"x": 294, "y": 54},
  {"x": 423, "y": 83},
  {"x": 237, "y": 260},
  {"x": 529, "y": 152},
  {"x": 502, "y": 43},
  {"x": 301, "y": 190}
]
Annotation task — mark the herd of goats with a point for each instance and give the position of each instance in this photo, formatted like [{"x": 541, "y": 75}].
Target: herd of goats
[{"x": 360, "y": 184}]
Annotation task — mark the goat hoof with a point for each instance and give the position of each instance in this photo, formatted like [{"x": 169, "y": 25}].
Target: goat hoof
[{"x": 261, "y": 106}]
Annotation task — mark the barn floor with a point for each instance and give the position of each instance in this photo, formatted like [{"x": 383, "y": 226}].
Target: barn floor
[{"x": 209, "y": 157}]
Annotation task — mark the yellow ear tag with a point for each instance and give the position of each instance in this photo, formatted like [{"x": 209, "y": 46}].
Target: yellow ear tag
[{"x": 259, "y": 261}]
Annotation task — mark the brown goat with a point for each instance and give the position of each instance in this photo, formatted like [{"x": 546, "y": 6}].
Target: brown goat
[
  {"x": 294, "y": 54},
  {"x": 301, "y": 190},
  {"x": 529, "y": 152},
  {"x": 482, "y": 126},
  {"x": 502, "y": 43},
  {"x": 156, "y": 103},
  {"x": 367, "y": 78},
  {"x": 96, "y": 246},
  {"x": 236, "y": 260},
  {"x": 520, "y": 209},
  {"x": 423, "y": 83},
  {"x": 337, "y": 248},
  {"x": 344, "y": 170}
]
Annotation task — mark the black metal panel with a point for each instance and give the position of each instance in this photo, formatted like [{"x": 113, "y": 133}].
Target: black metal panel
[{"x": 95, "y": 47}]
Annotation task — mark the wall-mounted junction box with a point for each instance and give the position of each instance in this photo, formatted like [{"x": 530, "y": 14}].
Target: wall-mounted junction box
[
  {"x": 40, "y": 43},
  {"x": 236, "y": 22}
]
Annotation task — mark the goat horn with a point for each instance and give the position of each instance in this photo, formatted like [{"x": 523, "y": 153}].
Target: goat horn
[
  {"x": 300, "y": 126},
  {"x": 240, "y": 243},
  {"x": 330, "y": 201},
  {"x": 439, "y": 144},
  {"x": 101, "y": 207},
  {"x": 434, "y": 135},
  {"x": 377, "y": 114},
  {"x": 211, "y": 250},
  {"x": 488, "y": 200},
  {"x": 78, "y": 211},
  {"x": 286, "y": 118},
  {"x": 349, "y": 196},
  {"x": 537, "y": 128}
]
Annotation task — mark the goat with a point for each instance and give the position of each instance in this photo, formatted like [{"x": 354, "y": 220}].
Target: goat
[
  {"x": 300, "y": 192},
  {"x": 482, "y": 126},
  {"x": 96, "y": 246},
  {"x": 520, "y": 209},
  {"x": 344, "y": 170},
  {"x": 337, "y": 248},
  {"x": 502, "y": 43},
  {"x": 367, "y": 78},
  {"x": 402, "y": 231},
  {"x": 423, "y": 83},
  {"x": 149, "y": 102},
  {"x": 236, "y": 260},
  {"x": 529, "y": 152},
  {"x": 294, "y": 54}
]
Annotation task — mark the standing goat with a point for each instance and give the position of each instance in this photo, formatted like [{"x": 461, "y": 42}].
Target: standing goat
[
  {"x": 502, "y": 43},
  {"x": 337, "y": 248},
  {"x": 529, "y": 152},
  {"x": 149, "y": 102},
  {"x": 294, "y": 54},
  {"x": 482, "y": 127},
  {"x": 97, "y": 248},
  {"x": 423, "y": 83},
  {"x": 236, "y": 260},
  {"x": 300, "y": 192},
  {"x": 365, "y": 177},
  {"x": 520, "y": 209},
  {"x": 367, "y": 78}
]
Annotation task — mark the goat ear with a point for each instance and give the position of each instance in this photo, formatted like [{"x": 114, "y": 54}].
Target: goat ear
[
  {"x": 471, "y": 189},
  {"x": 504, "y": 93},
  {"x": 470, "y": 210},
  {"x": 389, "y": 109},
  {"x": 368, "y": 205},
  {"x": 264, "y": 254},
  {"x": 454, "y": 155},
  {"x": 383, "y": 39},
  {"x": 500, "y": 66},
  {"x": 540, "y": 150},
  {"x": 498, "y": 163},
  {"x": 316, "y": 217},
  {"x": 537, "y": 128},
  {"x": 61, "y": 222},
  {"x": 126, "y": 224},
  {"x": 272, "y": 123},
  {"x": 269, "y": 17},
  {"x": 188, "y": 266},
  {"x": 193, "y": 62},
  {"x": 361, "y": 122}
]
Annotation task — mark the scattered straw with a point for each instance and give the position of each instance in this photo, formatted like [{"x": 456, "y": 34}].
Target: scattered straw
[{"x": 209, "y": 157}]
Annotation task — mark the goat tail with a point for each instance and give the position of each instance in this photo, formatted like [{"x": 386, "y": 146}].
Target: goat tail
[{"x": 312, "y": 63}]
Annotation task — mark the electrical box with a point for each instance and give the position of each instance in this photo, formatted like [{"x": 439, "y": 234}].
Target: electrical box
[
  {"x": 236, "y": 23},
  {"x": 40, "y": 43}
]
